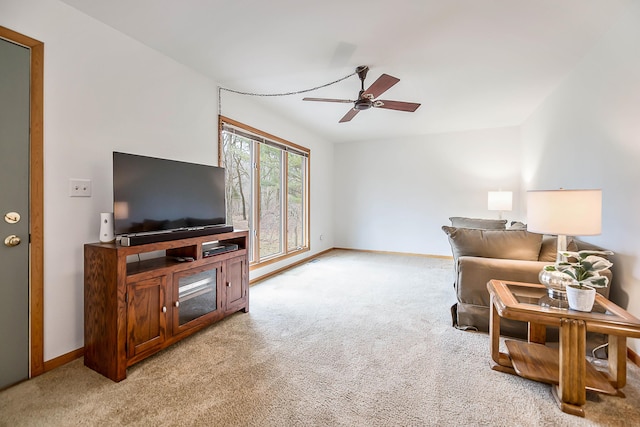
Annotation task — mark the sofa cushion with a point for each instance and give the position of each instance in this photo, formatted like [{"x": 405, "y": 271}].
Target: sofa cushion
[
  {"x": 484, "y": 224},
  {"x": 549, "y": 248},
  {"x": 504, "y": 244}
]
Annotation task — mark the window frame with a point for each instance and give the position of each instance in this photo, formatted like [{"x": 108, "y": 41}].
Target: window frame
[{"x": 260, "y": 137}]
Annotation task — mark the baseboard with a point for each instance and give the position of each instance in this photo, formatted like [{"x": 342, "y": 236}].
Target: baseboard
[
  {"x": 397, "y": 253},
  {"x": 63, "y": 359},
  {"x": 302, "y": 261},
  {"x": 287, "y": 267}
]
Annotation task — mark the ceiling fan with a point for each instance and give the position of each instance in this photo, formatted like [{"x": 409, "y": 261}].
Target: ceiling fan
[{"x": 367, "y": 98}]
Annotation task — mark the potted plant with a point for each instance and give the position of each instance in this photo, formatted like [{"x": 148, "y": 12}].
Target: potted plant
[{"x": 584, "y": 268}]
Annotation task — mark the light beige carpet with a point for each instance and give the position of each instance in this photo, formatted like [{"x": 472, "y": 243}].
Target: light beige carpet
[{"x": 353, "y": 339}]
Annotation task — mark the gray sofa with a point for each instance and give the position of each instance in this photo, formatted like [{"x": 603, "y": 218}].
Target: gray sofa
[{"x": 480, "y": 255}]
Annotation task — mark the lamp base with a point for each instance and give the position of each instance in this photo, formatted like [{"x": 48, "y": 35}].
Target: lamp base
[
  {"x": 556, "y": 283},
  {"x": 555, "y": 299}
]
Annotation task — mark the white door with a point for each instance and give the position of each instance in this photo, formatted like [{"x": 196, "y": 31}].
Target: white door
[{"x": 14, "y": 212}]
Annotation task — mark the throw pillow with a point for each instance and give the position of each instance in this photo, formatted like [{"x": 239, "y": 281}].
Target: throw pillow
[
  {"x": 484, "y": 224},
  {"x": 517, "y": 225},
  {"x": 504, "y": 244}
]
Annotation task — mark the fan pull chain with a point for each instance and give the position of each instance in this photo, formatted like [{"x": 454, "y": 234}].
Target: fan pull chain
[{"x": 297, "y": 92}]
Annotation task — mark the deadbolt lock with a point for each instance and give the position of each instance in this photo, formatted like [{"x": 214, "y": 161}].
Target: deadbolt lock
[{"x": 12, "y": 217}]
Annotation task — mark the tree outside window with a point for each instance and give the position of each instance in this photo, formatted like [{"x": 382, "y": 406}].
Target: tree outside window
[{"x": 266, "y": 189}]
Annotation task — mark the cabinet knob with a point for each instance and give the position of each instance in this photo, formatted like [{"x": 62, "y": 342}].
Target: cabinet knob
[
  {"x": 164, "y": 309},
  {"x": 176, "y": 304},
  {"x": 228, "y": 284}
]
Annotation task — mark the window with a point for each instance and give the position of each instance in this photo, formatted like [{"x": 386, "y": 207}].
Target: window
[{"x": 267, "y": 190}]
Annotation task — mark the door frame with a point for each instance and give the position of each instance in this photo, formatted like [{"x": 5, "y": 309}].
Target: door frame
[{"x": 36, "y": 199}]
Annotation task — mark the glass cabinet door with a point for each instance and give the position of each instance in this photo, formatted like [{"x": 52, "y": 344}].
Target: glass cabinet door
[{"x": 197, "y": 294}]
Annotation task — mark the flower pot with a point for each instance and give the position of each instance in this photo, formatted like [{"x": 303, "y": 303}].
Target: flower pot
[{"x": 581, "y": 298}]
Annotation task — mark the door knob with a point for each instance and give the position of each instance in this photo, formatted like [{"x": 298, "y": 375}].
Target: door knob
[{"x": 12, "y": 240}]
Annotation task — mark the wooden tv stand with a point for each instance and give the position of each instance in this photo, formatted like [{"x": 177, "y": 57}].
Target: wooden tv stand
[{"x": 135, "y": 309}]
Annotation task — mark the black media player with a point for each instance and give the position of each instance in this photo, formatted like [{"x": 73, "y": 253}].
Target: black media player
[{"x": 208, "y": 251}]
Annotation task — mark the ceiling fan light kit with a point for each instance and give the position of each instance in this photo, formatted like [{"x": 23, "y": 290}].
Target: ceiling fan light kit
[{"x": 367, "y": 98}]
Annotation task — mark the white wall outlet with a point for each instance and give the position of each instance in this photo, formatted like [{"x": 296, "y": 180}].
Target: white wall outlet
[
  {"x": 322, "y": 237},
  {"x": 79, "y": 187}
]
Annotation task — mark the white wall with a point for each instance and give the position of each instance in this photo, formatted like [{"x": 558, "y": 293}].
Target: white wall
[
  {"x": 104, "y": 92},
  {"x": 394, "y": 195},
  {"x": 586, "y": 135}
]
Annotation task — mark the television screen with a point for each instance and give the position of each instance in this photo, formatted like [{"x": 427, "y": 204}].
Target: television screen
[{"x": 151, "y": 194}]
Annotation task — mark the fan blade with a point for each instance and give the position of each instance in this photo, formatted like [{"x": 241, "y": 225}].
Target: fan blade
[
  {"x": 350, "y": 115},
  {"x": 327, "y": 100},
  {"x": 381, "y": 85},
  {"x": 396, "y": 105}
]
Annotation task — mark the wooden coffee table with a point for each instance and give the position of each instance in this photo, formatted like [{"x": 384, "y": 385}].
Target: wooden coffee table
[{"x": 566, "y": 367}]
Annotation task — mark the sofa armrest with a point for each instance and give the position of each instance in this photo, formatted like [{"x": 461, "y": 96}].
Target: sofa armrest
[{"x": 473, "y": 273}]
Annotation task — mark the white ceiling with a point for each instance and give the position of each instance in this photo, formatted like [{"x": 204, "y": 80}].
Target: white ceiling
[{"x": 471, "y": 63}]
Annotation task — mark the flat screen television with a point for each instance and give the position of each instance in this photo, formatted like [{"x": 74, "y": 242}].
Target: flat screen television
[{"x": 152, "y": 195}]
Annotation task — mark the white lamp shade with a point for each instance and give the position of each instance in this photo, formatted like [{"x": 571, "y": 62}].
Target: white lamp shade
[
  {"x": 565, "y": 212},
  {"x": 500, "y": 200}
]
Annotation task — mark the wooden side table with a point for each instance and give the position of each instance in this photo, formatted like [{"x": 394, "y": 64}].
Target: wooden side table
[{"x": 565, "y": 368}]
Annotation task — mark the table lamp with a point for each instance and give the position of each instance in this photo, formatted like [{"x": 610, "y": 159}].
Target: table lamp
[
  {"x": 500, "y": 201},
  {"x": 564, "y": 213}
]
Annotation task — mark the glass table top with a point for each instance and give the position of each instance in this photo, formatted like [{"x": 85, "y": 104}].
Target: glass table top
[
  {"x": 526, "y": 302},
  {"x": 539, "y": 297}
]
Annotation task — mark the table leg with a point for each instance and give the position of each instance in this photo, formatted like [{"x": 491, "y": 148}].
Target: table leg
[
  {"x": 571, "y": 393},
  {"x": 501, "y": 359},
  {"x": 537, "y": 333},
  {"x": 618, "y": 360},
  {"x": 494, "y": 332}
]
